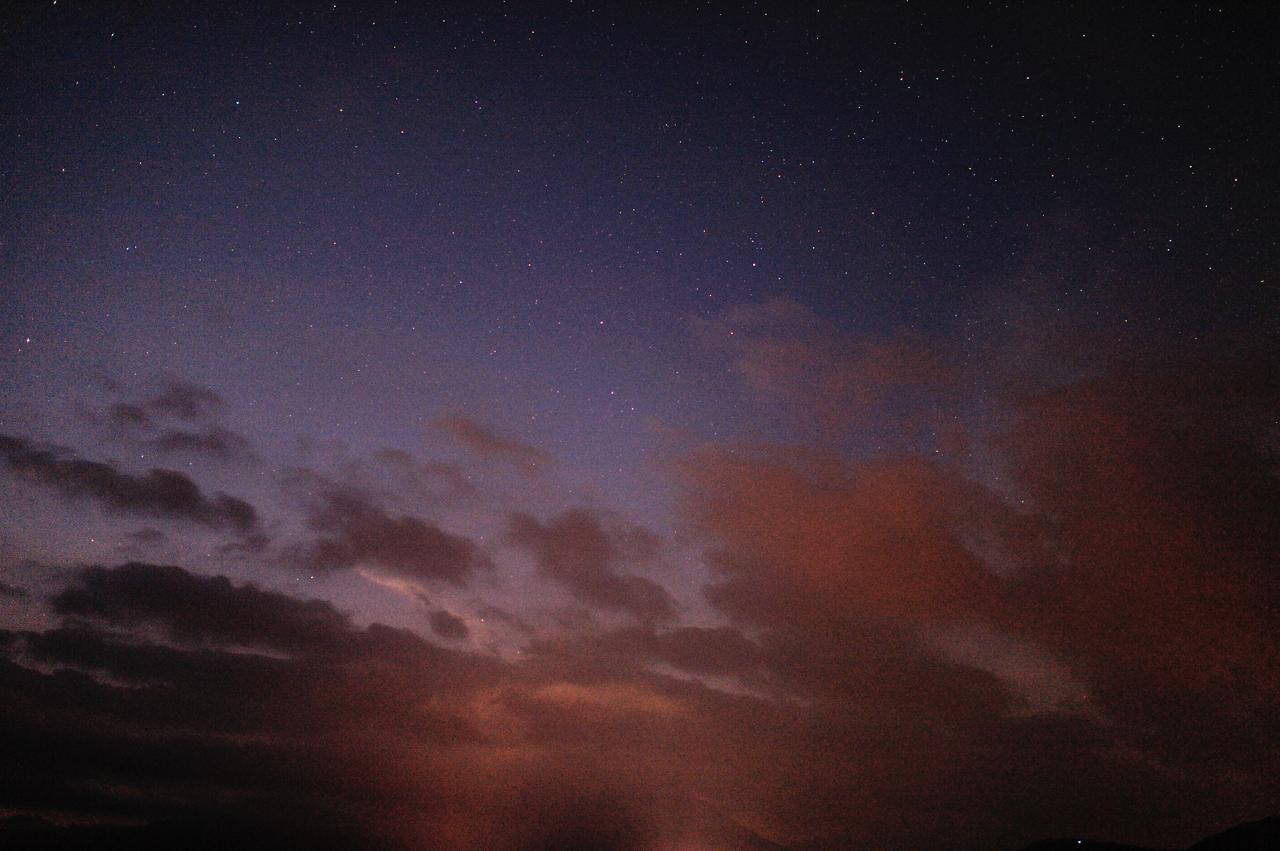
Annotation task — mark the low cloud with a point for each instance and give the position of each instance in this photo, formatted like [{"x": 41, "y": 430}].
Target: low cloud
[
  {"x": 448, "y": 625},
  {"x": 577, "y": 551},
  {"x": 13, "y": 592},
  {"x": 489, "y": 446},
  {"x": 178, "y": 420},
  {"x": 157, "y": 493},
  {"x": 128, "y": 415},
  {"x": 1074, "y": 595},
  {"x": 834, "y": 384},
  {"x": 1089, "y": 573},
  {"x": 185, "y": 401},
  {"x": 180, "y": 702},
  {"x": 204, "y": 610},
  {"x": 351, "y": 528},
  {"x": 214, "y": 441}
]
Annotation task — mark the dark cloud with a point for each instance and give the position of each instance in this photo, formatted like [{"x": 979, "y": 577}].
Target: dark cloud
[
  {"x": 721, "y": 653},
  {"x": 506, "y": 618},
  {"x": 448, "y": 625},
  {"x": 201, "y": 609},
  {"x": 434, "y": 480},
  {"x": 185, "y": 401},
  {"x": 485, "y": 444},
  {"x": 1088, "y": 581},
  {"x": 193, "y": 829},
  {"x": 214, "y": 441},
  {"x": 178, "y": 702},
  {"x": 148, "y": 536},
  {"x": 204, "y": 726},
  {"x": 702, "y": 650},
  {"x": 352, "y": 528},
  {"x": 13, "y": 592},
  {"x": 158, "y": 493},
  {"x": 188, "y": 403},
  {"x": 130, "y": 416},
  {"x": 577, "y": 551},
  {"x": 1160, "y": 488}
]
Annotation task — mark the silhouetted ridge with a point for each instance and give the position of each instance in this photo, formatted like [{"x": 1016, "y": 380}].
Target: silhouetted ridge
[
  {"x": 1261, "y": 835},
  {"x": 1083, "y": 845}
]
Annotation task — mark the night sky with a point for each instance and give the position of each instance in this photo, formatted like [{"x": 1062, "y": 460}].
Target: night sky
[{"x": 688, "y": 427}]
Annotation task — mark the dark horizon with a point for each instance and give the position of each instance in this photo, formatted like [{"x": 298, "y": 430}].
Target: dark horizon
[{"x": 569, "y": 425}]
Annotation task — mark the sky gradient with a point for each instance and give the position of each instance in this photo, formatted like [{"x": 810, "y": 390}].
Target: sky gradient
[{"x": 572, "y": 425}]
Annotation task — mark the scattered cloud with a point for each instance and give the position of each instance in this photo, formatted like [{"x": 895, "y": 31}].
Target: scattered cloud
[
  {"x": 13, "y": 592},
  {"x": 203, "y": 610},
  {"x": 185, "y": 401},
  {"x": 158, "y": 493},
  {"x": 835, "y": 384},
  {"x": 489, "y": 446},
  {"x": 1075, "y": 597},
  {"x": 351, "y": 529},
  {"x": 432, "y": 480},
  {"x": 178, "y": 420},
  {"x": 448, "y": 625},
  {"x": 579, "y": 552},
  {"x": 130, "y": 416},
  {"x": 214, "y": 441}
]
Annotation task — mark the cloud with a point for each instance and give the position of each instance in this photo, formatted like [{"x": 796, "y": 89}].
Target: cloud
[
  {"x": 1160, "y": 489},
  {"x": 1057, "y": 622},
  {"x": 432, "y": 480},
  {"x": 158, "y": 493},
  {"x": 1089, "y": 574},
  {"x": 13, "y": 592},
  {"x": 215, "y": 441},
  {"x": 179, "y": 703},
  {"x": 506, "y": 618},
  {"x": 612, "y": 698},
  {"x": 710, "y": 651},
  {"x": 1041, "y": 682},
  {"x": 875, "y": 539},
  {"x": 577, "y": 551},
  {"x": 721, "y": 657},
  {"x": 131, "y": 416},
  {"x": 706, "y": 650},
  {"x": 833, "y": 384},
  {"x": 448, "y": 625},
  {"x": 202, "y": 610},
  {"x": 487, "y": 445},
  {"x": 185, "y": 401},
  {"x": 147, "y": 536},
  {"x": 351, "y": 529},
  {"x": 206, "y": 732}
]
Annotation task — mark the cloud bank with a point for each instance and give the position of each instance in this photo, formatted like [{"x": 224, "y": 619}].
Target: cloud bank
[{"x": 985, "y": 631}]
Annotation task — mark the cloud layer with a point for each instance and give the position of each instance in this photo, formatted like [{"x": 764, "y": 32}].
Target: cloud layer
[{"x": 999, "y": 627}]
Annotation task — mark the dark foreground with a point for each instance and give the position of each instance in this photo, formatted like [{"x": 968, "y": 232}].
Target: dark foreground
[
  {"x": 24, "y": 833},
  {"x": 1261, "y": 835}
]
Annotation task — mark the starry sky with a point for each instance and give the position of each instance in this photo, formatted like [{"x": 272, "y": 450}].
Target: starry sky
[{"x": 671, "y": 426}]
